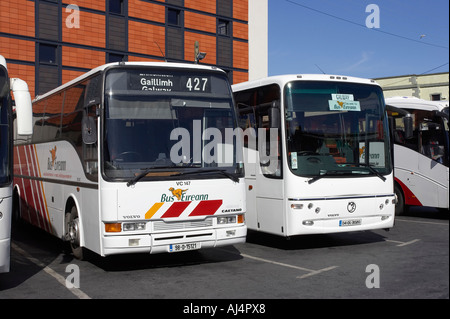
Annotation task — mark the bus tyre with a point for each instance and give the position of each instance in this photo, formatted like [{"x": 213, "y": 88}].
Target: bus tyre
[
  {"x": 73, "y": 233},
  {"x": 16, "y": 220},
  {"x": 400, "y": 206}
]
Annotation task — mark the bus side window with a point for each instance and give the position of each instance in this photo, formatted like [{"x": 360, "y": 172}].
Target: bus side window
[{"x": 431, "y": 146}]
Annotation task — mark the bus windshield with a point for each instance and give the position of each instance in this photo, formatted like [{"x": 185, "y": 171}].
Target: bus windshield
[
  {"x": 336, "y": 129},
  {"x": 167, "y": 122}
]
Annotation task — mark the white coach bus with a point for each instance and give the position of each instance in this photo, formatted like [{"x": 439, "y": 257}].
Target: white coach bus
[
  {"x": 421, "y": 159},
  {"x": 106, "y": 169},
  {"x": 24, "y": 126},
  {"x": 329, "y": 168}
]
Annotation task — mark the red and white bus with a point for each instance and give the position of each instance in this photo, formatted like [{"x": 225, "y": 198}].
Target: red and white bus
[
  {"x": 106, "y": 169},
  {"x": 421, "y": 157},
  {"x": 22, "y": 113}
]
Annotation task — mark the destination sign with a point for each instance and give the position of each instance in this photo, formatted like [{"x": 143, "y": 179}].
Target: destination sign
[{"x": 166, "y": 82}]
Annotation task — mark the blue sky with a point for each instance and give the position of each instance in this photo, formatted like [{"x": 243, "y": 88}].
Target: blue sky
[{"x": 302, "y": 40}]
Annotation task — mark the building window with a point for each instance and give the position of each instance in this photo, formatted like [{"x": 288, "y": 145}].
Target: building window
[
  {"x": 47, "y": 53},
  {"x": 436, "y": 97},
  {"x": 116, "y": 6},
  {"x": 173, "y": 16},
  {"x": 112, "y": 57},
  {"x": 223, "y": 27}
]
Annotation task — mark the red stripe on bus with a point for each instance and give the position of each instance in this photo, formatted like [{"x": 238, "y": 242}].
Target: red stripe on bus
[
  {"x": 40, "y": 189},
  {"x": 26, "y": 194},
  {"x": 176, "y": 210},
  {"x": 206, "y": 208},
  {"x": 410, "y": 198},
  {"x": 36, "y": 189}
]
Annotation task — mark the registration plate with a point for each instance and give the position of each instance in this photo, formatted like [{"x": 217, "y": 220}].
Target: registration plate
[
  {"x": 350, "y": 222},
  {"x": 184, "y": 247}
]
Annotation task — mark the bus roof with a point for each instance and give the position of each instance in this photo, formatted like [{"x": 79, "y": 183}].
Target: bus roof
[
  {"x": 143, "y": 64},
  {"x": 409, "y": 102},
  {"x": 283, "y": 79}
]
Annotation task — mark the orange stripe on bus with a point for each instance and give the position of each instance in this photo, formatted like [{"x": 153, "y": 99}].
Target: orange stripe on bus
[{"x": 153, "y": 210}]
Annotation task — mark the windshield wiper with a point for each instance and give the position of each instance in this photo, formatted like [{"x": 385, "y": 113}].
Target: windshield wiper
[
  {"x": 324, "y": 173},
  {"x": 146, "y": 171},
  {"x": 233, "y": 177},
  {"x": 370, "y": 167}
]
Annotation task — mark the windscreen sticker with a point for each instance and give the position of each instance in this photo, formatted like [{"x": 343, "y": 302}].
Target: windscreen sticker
[
  {"x": 344, "y": 105},
  {"x": 342, "y": 97}
]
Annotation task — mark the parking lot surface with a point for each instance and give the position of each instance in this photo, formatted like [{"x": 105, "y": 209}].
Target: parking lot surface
[{"x": 411, "y": 261}]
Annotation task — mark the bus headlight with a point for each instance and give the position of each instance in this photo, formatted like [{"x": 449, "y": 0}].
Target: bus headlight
[
  {"x": 226, "y": 220},
  {"x": 133, "y": 226}
]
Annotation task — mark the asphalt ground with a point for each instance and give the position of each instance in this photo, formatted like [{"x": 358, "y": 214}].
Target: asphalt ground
[{"x": 411, "y": 261}]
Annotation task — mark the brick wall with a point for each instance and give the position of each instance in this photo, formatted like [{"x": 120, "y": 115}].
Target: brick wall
[{"x": 146, "y": 33}]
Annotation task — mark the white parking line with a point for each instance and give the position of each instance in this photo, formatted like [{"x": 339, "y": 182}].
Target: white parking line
[
  {"x": 402, "y": 243},
  {"x": 76, "y": 291},
  {"x": 315, "y": 272},
  {"x": 310, "y": 273}
]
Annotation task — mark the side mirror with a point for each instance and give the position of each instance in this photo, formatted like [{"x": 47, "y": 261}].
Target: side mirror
[
  {"x": 89, "y": 130},
  {"x": 24, "y": 109},
  {"x": 408, "y": 123},
  {"x": 274, "y": 115}
]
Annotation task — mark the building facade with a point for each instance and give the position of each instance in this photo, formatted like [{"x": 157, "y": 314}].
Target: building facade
[
  {"x": 431, "y": 87},
  {"x": 50, "y": 42}
]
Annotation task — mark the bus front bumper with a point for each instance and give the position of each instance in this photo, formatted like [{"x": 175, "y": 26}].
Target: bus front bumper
[{"x": 169, "y": 242}]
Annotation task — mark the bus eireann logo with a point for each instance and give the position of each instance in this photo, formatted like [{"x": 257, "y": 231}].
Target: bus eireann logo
[
  {"x": 178, "y": 193},
  {"x": 53, "y": 153},
  {"x": 53, "y": 164}
]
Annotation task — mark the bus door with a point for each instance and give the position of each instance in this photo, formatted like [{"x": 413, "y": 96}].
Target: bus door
[{"x": 269, "y": 191}]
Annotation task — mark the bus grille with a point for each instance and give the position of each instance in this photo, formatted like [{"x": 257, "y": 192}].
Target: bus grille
[{"x": 162, "y": 225}]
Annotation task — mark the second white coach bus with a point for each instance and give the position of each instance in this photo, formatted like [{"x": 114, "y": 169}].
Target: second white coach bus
[
  {"x": 329, "y": 168},
  {"x": 22, "y": 113},
  {"x": 422, "y": 158},
  {"x": 120, "y": 162}
]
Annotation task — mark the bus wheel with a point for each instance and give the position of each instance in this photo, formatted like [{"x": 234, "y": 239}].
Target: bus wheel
[
  {"x": 73, "y": 233},
  {"x": 16, "y": 209},
  {"x": 400, "y": 206}
]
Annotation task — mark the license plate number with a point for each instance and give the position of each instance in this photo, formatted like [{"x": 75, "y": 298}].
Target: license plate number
[
  {"x": 350, "y": 222},
  {"x": 184, "y": 247}
]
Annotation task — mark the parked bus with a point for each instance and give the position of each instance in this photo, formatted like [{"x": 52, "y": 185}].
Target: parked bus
[
  {"x": 23, "y": 116},
  {"x": 421, "y": 159},
  {"x": 330, "y": 169},
  {"x": 120, "y": 162}
]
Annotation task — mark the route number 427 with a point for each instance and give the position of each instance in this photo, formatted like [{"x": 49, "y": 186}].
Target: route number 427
[{"x": 197, "y": 84}]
